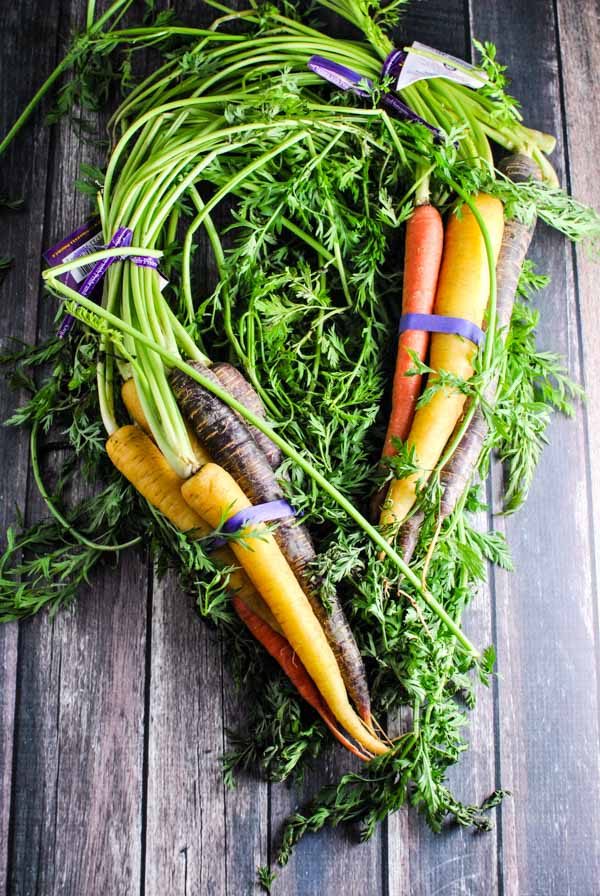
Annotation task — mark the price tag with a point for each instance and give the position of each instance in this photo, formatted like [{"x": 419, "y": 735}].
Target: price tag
[{"x": 423, "y": 62}]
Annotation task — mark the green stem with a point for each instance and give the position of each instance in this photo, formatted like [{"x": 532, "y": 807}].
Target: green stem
[
  {"x": 93, "y": 257},
  {"x": 422, "y": 196},
  {"x": 90, "y": 13},
  {"x": 37, "y": 475},
  {"x": 72, "y": 56}
]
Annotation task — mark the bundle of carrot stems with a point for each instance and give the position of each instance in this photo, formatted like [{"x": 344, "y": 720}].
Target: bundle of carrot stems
[{"x": 202, "y": 414}]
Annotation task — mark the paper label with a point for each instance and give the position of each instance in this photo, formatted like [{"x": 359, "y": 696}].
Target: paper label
[
  {"x": 423, "y": 62},
  {"x": 86, "y": 239},
  {"x": 94, "y": 244},
  {"x": 72, "y": 246}
]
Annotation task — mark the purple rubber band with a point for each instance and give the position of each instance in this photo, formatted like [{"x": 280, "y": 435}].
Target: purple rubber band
[
  {"x": 439, "y": 323},
  {"x": 122, "y": 237},
  {"x": 260, "y": 513},
  {"x": 347, "y": 79}
]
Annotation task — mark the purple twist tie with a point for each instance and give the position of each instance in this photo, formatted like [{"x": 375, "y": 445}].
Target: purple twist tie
[
  {"x": 122, "y": 237},
  {"x": 347, "y": 79},
  {"x": 439, "y": 323},
  {"x": 340, "y": 75},
  {"x": 260, "y": 513},
  {"x": 393, "y": 64},
  {"x": 144, "y": 261}
]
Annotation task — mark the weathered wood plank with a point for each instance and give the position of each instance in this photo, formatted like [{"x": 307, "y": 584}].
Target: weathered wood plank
[
  {"x": 548, "y": 733},
  {"x": 185, "y": 815},
  {"x": 30, "y": 41},
  {"x": 246, "y": 806},
  {"x": 77, "y": 820},
  {"x": 420, "y": 862},
  {"x": 334, "y": 860},
  {"x": 579, "y": 40},
  {"x": 8, "y": 677},
  {"x": 79, "y": 750}
]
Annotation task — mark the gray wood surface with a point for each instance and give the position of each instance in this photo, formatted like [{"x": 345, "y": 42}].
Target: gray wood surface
[{"x": 113, "y": 715}]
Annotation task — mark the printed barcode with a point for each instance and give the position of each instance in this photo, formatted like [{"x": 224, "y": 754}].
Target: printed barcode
[
  {"x": 92, "y": 245},
  {"x": 82, "y": 272}
]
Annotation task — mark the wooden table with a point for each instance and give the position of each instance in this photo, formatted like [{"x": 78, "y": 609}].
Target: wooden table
[{"x": 113, "y": 714}]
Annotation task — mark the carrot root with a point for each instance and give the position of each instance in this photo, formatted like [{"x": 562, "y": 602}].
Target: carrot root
[
  {"x": 231, "y": 446},
  {"x": 422, "y": 258},
  {"x": 462, "y": 291},
  {"x": 214, "y": 494},
  {"x": 281, "y": 651}
]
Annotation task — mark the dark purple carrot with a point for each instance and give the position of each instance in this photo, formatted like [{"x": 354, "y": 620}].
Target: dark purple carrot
[
  {"x": 458, "y": 472},
  {"x": 229, "y": 443},
  {"x": 237, "y": 385}
]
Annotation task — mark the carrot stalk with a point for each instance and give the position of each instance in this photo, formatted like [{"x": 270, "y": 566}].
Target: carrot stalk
[
  {"x": 215, "y": 495},
  {"x": 516, "y": 240},
  {"x": 277, "y": 646},
  {"x": 231, "y": 445},
  {"x": 463, "y": 291}
]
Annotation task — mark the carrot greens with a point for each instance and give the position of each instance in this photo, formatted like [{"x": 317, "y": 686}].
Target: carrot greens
[{"x": 299, "y": 194}]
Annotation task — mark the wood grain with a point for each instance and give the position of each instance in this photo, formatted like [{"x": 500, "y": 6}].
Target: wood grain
[
  {"x": 185, "y": 816},
  {"x": 31, "y": 40},
  {"x": 579, "y": 41},
  {"x": 77, "y": 822},
  {"x": 546, "y": 658}
]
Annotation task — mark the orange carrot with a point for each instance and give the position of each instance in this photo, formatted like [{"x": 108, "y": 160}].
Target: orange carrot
[
  {"x": 281, "y": 651},
  {"x": 422, "y": 258}
]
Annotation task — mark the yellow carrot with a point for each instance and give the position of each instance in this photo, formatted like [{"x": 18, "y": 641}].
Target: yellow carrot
[
  {"x": 241, "y": 586},
  {"x": 463, "y": 291},
  {"x": 140, "y": 461},
  {"x": 132, "y": 402},
  {"x": 133, "y": 405},
  {"x": 136, "y": 456},
  {"x": 213, "y": 493}
]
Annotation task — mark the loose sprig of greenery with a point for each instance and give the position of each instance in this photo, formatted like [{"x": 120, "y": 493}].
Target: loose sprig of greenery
[
  {"x": 45, "y": 565},
  {"x": 535, "y": 384},
  {"x": 266, "y": 877},
  {"x": 79, "y": 51}
]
